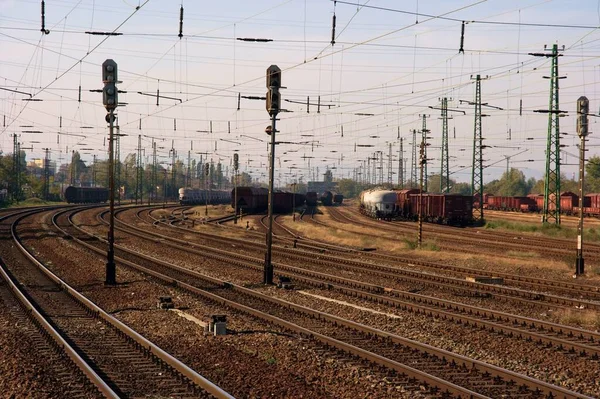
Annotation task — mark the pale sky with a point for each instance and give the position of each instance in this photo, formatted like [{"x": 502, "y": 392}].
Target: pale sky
[{"x": 382, "y": 73}]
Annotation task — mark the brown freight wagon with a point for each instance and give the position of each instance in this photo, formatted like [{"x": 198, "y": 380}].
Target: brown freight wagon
[
  {"x": 453, "y": 209},
  {"x": 251, "y": 199},
  {"x": 403, "y": 204}
]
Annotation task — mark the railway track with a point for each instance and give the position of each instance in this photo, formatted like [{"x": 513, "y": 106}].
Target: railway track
[
  {"x": 442, "y": 371},
  {"x": 573, "y": 340},
  {"x": 538, "y": 284},
  {"x": 62, "y": 362},
  {"x": 124, "y": 363},
  {"x": 391, "y": 272},
  {"x": 498, "y": 240}
]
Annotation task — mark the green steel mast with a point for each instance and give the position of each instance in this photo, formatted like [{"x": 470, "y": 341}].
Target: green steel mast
[{"x": 477, "y": 174}]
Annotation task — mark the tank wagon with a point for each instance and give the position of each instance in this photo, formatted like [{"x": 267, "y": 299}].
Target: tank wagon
[
  {"x": 196, "y": 196},
  {"x": 404, "y": 204},
  {"x": 85, "y": 195},
  {"x": 379, "y": 204}
]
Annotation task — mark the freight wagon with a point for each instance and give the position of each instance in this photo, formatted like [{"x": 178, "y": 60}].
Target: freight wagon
[{"x": 85, "y": 195}]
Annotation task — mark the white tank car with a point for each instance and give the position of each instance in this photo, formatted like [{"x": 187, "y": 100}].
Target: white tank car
[{"x": 379, "y": 203}]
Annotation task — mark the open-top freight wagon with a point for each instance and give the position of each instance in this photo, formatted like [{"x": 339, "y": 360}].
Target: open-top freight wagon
[
  {"x": 256, "y": 200},
  {"x": 86, "y": 195}
]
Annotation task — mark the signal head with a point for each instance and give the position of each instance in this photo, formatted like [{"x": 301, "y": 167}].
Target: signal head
[
  {"x": 109, "y": 71},
  {"x": 273, "y": 76}
]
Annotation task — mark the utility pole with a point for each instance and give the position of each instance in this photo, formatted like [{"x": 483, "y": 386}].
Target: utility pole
[
  {"x": 154, "y": 176},
  {"x": 173, "y": 173},
  {"x": 137, "y": 168},
  {"x": 235, "y": 175},
  {"x": 413, "y": 164},
  {"x": 477, "y": 173},
  {"x": 47, "y": 174},
  {"x": 552, "y": 179},
  {"x": 423, "y": 162},
  {"x": 400, "y": 162},
  {"x": 110, "y": 100},
  {"x": 424, "y": 137},
  {"x": 94, "y": 172},
  {"x": 188, "y": 170},
  {"x": 72, "y": 168},
  {"x": 444, "y": 169},
  {"x": 273, "y": 107},
  {"x": 390, "y": 171},
  {"x": 206, "y": 173},
  {"x": 16, "y": 189},
  {"x": 118, "y": 163},
  {"x": 583, "y": 107}
]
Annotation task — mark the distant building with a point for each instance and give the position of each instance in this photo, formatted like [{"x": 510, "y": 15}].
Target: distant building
[{"x": 321, "y": 186}]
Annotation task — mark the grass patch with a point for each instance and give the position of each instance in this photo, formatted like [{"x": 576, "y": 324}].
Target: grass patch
[
  {"x": 270, "y": 359},
  {"x": 523, "y": 255},
  {"x": 546, "y": 229},
  {"x": 31, "y": 202},
  {"x": 425, "y": 246},
  {"x": 587, "y": 319}
]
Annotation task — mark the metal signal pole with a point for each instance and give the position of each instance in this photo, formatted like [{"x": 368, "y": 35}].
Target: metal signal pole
[
  {"x": 273, "y": 107},
  {"x": 110, "y": 100},
  {"x": 583, "y": 106}
]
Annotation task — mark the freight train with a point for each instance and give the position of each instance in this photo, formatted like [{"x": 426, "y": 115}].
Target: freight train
[
  {"x": 328, "y": 198},
  {"x": 256, "y": 200},
  {"x": 534, "y": 203},
  {"x": 85, "y": 195},
  {"x": 195, "y": 196},
  {"x": 451, "y": 209}
]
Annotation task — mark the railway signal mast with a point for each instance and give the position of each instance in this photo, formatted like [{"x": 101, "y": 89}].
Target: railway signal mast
[
  {"x": 583, "y": 107},
  {"x": 273, "y": 108},
  {"x": 110, "y": 101}
]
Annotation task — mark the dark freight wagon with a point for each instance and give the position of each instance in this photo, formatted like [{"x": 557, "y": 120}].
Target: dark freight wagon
[
  {"x": 311, "y": 198},
  {"x": 85, "y": 195},
  {"x": 283, "y": 202},
  {"x": 251, "y": 199}
]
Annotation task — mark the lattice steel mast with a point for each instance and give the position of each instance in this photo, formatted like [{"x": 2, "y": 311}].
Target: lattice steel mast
[
  {"x": 551, "y": 213},
  {"x": 413, "y": 164},
  {"x": 445, "y": 170},
  {"x": 477, "y": 173}
]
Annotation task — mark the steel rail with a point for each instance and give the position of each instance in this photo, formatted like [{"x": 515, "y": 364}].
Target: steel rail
[
  {"x": 507, "y": 375},
  {"x": 123, "y": 328},
  {"x": 444, "y": 281},
  {"x": 300, "y": 274},
  {"x": 93, "y": 377}
]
